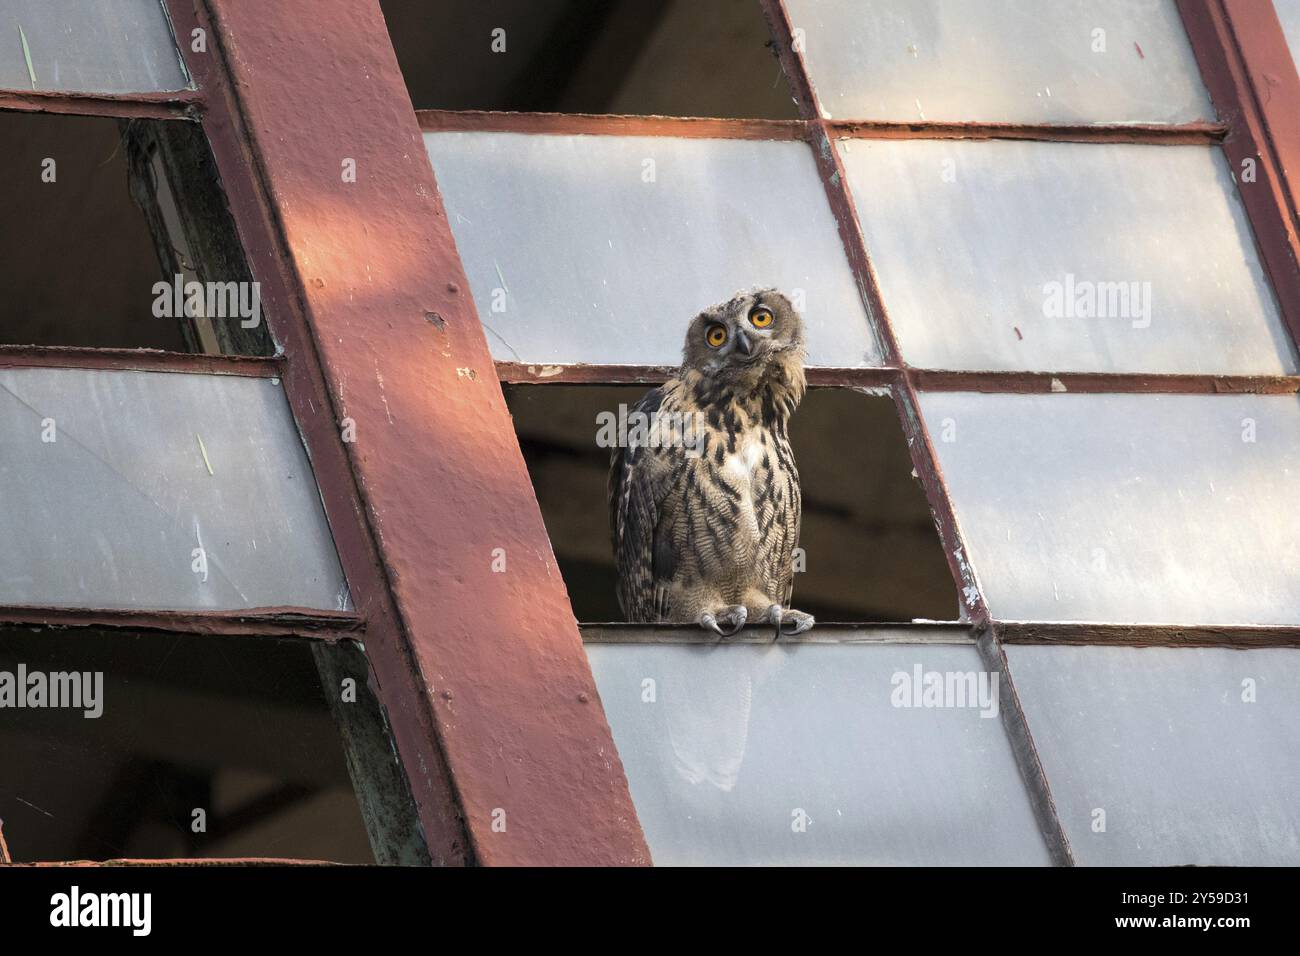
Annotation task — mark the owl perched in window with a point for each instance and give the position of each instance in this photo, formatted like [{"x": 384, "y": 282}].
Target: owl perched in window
[{"x": 704, "y": 496}]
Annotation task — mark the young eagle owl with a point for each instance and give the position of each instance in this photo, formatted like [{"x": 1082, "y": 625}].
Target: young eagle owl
[{"x": 705, "y": 529}]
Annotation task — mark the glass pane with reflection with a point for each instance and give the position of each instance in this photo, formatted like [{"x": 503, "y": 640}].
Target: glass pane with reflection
[
  {"x": 1064, "y": 61},
  {"x": 1012, "y": 255},
  {"x": 1162, "y": 756},
  {"x": 88, "y": 46},
  {"x": 601, "y": 249},
  {"x": 126, "y": 489},
  {"x": 1165, "y": 509},
  {"x": 741, "y": 754}
]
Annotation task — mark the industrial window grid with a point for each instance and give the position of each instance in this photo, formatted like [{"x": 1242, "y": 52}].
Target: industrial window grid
[{"x": 1247, "y": 70}]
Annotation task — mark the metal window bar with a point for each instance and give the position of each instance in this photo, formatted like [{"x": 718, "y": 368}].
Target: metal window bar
[{"x": 182, "y": 105}]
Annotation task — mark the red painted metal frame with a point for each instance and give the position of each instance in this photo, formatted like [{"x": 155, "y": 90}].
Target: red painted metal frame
[
  {"x": 142, "y": 360},
  {"x": 681, "y": 127},
  {"x": 494, "y": 711},
  {"x": 182, "y": 105},
  {"x": 1148, "y": 635},
  {"x": 225, "y": 861},
  {"x": 1274, "y": 80},
  {"x": 253, "y": 622},
  {"x": 522, "y": 373},
  {"x": 943, "y": 380},
  {"x": 1247, "y": 68},
  {"x": 707, "y": 127},
  {"x": 1149, "y": 133}
]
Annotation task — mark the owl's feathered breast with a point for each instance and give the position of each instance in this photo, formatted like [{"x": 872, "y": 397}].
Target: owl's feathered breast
[{"x": 719, "y": 516}]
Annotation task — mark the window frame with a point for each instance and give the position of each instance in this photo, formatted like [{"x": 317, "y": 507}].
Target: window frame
[{"x": 444, "y": 742}]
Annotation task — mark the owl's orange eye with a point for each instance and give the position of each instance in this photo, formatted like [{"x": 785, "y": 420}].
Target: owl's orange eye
[
  {"x": 716, "y": 335},
  {"x": 760, "y": 317}
]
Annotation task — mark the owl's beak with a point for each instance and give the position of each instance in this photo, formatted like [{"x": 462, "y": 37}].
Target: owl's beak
[{"x": 742, "y": 344}]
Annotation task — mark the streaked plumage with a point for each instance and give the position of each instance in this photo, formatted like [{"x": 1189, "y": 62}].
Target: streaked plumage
[{"x": 709, "y": 538}]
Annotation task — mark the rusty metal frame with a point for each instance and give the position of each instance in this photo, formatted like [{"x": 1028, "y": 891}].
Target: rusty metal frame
[
  {"x": 302, "y": 622},
  {"x": 181, "y": 105},
  {"x": 216, "y": 861},
  {"x": 951, "y": 632},
  {"x": 1252, "y": 79},
  {"x": 1149, "y": 635},
  {"x": 609, "y": 124},
  {"x": 710, "y": 127},
  {"x": 936, "y": 632},
  {"x": 139, "y": 360},
  {"x": 1156, "y": 134},
  {"x": 936, "y": 380},
  {"x": 523, "y": 373},
  {"x": 930, "y": 380}
]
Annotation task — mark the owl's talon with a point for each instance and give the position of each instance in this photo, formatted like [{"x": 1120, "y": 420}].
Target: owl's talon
[
  {"x": 774, "y": 618},
  {"x": 789, "y": 621},
  {"x": 727, "y": 621},
  {"x": 796, "y": 622}
]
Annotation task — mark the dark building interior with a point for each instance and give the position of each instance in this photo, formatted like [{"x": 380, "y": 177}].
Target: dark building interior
[
  {"x": 650, "y": 57},
  {"x": 237, "y": 728},
  {"x": 872, "y": 551}
]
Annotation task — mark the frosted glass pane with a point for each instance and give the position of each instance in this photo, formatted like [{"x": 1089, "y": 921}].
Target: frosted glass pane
[
  {"x": 1012, "y": 61},
  {"x": 741, "y": 738},
  {"x": 1288, "y": 11},
  {"x": 107, "y": 494},
  {"x": 88, "y": 46},
  {"x": 1126, "y": 508},
  {"x": 1065, "y": 257},
  {"x": 1187, "y": 771},
  {"x": 573, "y": 257}
]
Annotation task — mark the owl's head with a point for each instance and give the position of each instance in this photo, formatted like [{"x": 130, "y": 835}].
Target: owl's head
[{"x": 745, "y": 337}]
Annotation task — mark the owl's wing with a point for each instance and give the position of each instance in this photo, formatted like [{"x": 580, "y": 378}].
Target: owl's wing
[
  {"x": 779, "y": 515},
  {"x": 793, "y": 521},
  {"x": 640, "y": 481}
]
